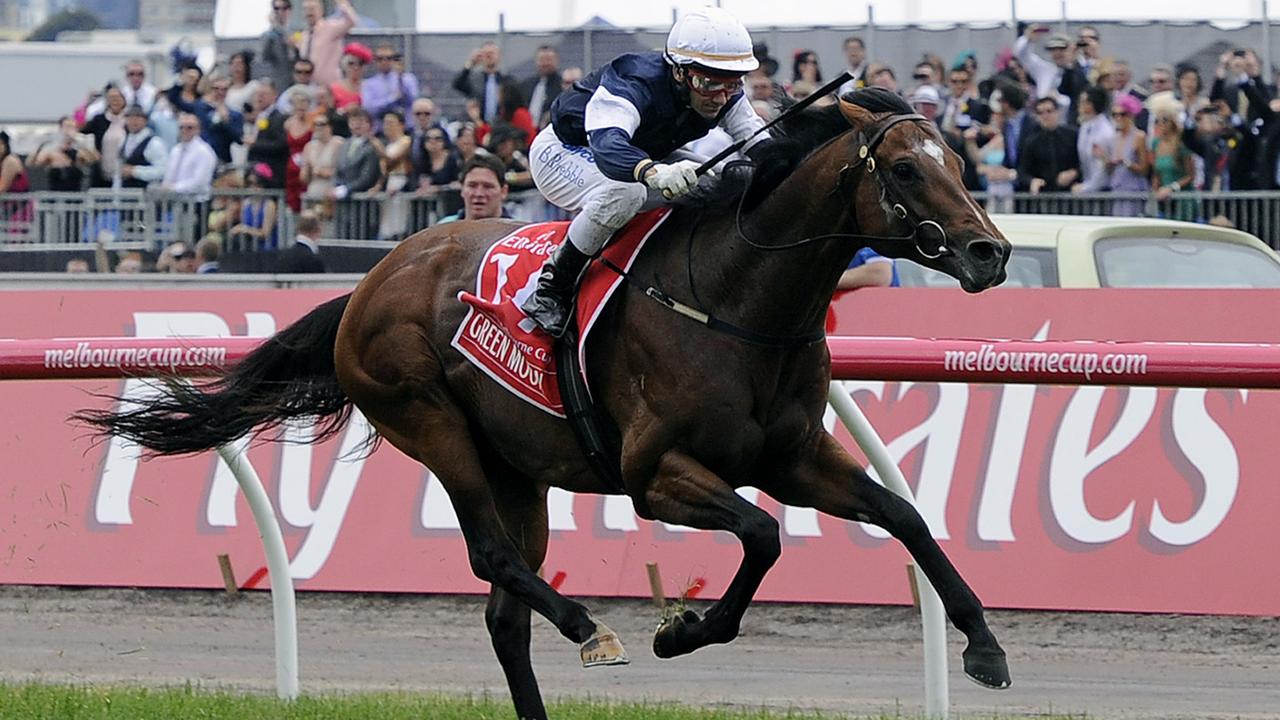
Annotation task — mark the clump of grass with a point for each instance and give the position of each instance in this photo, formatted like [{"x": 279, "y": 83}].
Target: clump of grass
[{"x": 35, "y": 701}]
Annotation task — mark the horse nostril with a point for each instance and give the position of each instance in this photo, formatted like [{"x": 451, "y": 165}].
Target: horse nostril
[{"x": 985, "y": 251}]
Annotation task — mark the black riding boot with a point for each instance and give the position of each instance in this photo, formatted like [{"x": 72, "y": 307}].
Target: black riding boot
[{"x": 552, "y": 302}]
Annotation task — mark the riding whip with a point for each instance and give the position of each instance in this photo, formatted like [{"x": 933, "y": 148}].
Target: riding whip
[{"x": 823, "y": 91}]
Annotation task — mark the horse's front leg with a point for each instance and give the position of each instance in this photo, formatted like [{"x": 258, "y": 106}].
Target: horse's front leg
[
  {"x": 686, "y": 493},
  {"x": 829, "y": 479}
]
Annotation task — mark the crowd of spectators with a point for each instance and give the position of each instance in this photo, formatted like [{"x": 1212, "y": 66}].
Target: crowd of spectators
[{"x": 322, "y": 119}]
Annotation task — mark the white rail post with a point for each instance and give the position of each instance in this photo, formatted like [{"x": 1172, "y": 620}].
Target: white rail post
[
  {"x": 283, "y": 602},
  {"x": 937, "y": 700}
]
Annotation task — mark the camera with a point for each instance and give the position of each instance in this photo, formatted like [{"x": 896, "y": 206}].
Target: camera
[{"x": 1238, "y": 52}]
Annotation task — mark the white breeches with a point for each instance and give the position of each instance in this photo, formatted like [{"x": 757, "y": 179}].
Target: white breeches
[{"x": 568, "y": 177}]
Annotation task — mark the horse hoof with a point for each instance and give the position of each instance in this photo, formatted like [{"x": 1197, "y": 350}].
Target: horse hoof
[
  {"x": 987, "y": 667},
  {"x": 603, "y": 648},
  {"x": 667, "y": 639}
]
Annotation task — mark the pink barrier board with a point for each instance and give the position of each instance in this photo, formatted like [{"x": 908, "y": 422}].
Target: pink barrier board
[{"x": 1045, "y": 496}]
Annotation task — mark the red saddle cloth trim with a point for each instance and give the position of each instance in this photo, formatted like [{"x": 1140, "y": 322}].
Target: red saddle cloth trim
[{"x": 497, "y": 337}]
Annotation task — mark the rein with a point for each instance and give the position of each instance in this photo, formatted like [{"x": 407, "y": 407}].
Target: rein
[
  {"x": 866, "y": 158},
  {"x": 888, "y": 190}
]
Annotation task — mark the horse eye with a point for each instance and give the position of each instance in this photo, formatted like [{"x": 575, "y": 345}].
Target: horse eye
[{"x": 904, "y": 171}]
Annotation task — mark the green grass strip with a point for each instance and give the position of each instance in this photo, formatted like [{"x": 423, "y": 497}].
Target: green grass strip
[{"x": 35, "y": 701}]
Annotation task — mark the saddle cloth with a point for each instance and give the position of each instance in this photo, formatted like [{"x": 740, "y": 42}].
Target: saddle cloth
[{"x": 497, "y": 337}]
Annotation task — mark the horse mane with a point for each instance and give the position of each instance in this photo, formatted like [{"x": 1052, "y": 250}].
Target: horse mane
[{"x": 793, "y": 139}]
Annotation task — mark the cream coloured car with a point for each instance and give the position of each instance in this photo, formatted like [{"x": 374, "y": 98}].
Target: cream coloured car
[{"x": 1075, "y": 251}]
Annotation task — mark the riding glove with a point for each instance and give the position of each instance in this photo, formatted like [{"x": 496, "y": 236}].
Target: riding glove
[{"x": 673, "y": 180}]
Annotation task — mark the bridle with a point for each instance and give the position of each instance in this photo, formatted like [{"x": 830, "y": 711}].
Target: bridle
[{"x": 890, "y": 191}]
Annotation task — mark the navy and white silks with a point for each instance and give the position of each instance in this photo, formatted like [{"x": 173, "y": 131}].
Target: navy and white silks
[{"x": 628, "y": 111}]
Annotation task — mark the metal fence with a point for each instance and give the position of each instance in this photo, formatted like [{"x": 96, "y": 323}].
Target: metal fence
[{"x": 149, "y": 220}]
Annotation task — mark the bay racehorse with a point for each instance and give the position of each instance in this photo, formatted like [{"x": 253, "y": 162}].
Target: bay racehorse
[{"x": 699, "y": 411}]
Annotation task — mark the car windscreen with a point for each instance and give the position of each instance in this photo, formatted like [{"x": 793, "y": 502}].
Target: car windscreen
[
  {"x": 1145, "y": 262},
  {"x": 1027, "y": 268}
]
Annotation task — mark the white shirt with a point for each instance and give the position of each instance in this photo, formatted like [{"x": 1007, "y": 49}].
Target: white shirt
[
  {"x": 1046, "y": 75},
  {"x": 190, "y": 168},
  {"x": 144, "y": 97},
  {"x": 1098, "y": 131}
]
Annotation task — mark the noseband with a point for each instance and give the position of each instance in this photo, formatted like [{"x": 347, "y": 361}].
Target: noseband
[{"x": 889, "y": 192}]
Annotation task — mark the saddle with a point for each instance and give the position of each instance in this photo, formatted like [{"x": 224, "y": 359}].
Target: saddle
[{"x": 497, "y": 337}]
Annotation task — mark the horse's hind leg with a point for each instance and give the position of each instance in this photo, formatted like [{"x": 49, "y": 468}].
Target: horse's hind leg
[
  {"x": 829, "y": 480},
  {"x": 685, "y": 492},
  {"x": 523, "y": 508}
]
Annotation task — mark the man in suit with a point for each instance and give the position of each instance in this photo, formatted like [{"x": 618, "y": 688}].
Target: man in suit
[
  {"x": 1018, "y": 127},
  {"x": 480, "y": 79},
  {"x": 358, "y": 171},
  {"x": 542, "y": 88},
  {"x": 303, "y": 256},
  {"x": 1049, "y": 161},
  {"x": 269, "y": 145}
]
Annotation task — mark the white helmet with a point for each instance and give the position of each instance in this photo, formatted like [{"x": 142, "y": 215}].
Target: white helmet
[{"x": 712, "y": 38}]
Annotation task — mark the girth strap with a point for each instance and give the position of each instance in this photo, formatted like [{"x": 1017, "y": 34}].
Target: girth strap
[{"x": 714, "y": 323}]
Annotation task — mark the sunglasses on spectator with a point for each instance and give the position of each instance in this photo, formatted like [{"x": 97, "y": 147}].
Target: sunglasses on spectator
[
  {"x": 958, "y": 81},
  {"x": 1046, "y": 111},
  {"x": 1119, "y": 113},
  {"x": 1084, "y": 38},
  {"x": 422, "y": 113},
  {"x": 134, "y": 73},
  {"x": 302, "y": 71},
  {"x": 187, "y": 126},
  {"x": 388, "y": 58},
  {"x": 281, "y": 8},
  {"x": 435, "y": 137}
]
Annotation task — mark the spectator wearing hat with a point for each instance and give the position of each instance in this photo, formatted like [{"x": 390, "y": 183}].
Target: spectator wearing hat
[
  {"x": 390, "y": 88},
  {"x": 925, "y": 100},
  {"x": 323, "y": 39},
  {"x": 179, "y": 258},
  {"x": 1060, "y": 78},
  {"x": 1129, "y": 161},
  {"x": 303, "y": 256},
  {"x": 855, "y": 54},
  {"x": 480, "y": 79},
  {"x": 143, "y": 156},
  {"x": 1049, "y": 161},
  {"x": 348, "y": 90}
]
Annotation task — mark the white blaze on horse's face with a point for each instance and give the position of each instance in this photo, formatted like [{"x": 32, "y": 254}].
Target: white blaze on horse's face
[{"x": 933, "y": 150}]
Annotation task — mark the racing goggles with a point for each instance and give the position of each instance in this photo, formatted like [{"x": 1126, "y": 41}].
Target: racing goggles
[{"x": 714, "y": 84}]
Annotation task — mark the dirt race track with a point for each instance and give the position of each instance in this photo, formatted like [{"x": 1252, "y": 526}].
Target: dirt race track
[{"x": 833, "y": 658}]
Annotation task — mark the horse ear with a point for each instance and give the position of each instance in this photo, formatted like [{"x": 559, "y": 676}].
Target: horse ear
[{"x": 857, "y": 115}]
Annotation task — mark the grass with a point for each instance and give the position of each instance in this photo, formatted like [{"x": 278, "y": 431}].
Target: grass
[{"x": 35, "y": 701}]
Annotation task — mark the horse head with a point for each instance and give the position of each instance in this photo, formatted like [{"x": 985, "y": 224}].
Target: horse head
[{"x": 911, "y": 198}]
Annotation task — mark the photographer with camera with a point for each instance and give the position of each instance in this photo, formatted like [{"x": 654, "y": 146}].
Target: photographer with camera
[{"x": 66, "y": 157}]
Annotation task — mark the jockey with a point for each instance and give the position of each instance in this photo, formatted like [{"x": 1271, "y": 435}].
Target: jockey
[{"x": 611, "y": 133}]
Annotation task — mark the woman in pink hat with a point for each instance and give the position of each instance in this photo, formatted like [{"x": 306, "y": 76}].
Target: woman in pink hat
[
  {"x": 346, "y": 91},
  {"x": 1129, "y": 162}
]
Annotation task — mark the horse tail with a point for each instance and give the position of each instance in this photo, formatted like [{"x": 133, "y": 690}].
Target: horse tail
[{"x": 290, "y": 375}]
